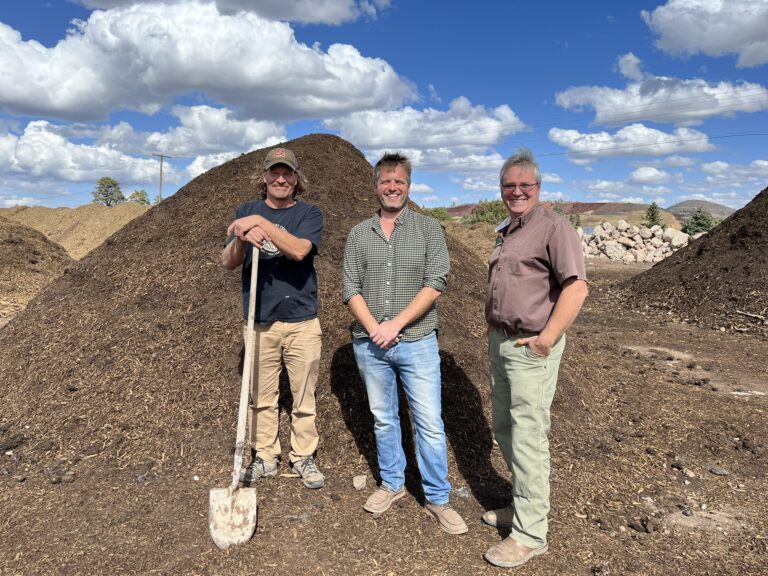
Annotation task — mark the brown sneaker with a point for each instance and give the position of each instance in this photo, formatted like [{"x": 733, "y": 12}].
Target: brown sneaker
[
  {"x": 380, "y": 501},
  {"x": 510, "y": 553},
  {"x": 500, "y": 518},
  {"x": 448, "y": 519}
]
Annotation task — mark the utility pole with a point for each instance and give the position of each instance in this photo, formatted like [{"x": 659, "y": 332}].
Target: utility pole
[{"x": 160, "y": 191}]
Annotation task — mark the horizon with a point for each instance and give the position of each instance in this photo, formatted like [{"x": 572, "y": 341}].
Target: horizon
[{"x": 657, "y": 101}]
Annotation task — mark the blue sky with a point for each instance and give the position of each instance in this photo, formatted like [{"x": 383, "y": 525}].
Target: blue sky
[{"x": 620, "y": 101}]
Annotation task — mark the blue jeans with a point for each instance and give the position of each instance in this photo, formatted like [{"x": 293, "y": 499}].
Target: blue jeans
[{"x": 418, "y": 365}]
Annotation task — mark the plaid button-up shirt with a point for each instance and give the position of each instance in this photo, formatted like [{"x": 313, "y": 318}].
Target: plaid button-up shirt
[{"x": 389, "y": 273}]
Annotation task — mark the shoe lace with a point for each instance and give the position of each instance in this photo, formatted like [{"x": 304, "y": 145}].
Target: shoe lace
[{"x": 307, "y": 467}]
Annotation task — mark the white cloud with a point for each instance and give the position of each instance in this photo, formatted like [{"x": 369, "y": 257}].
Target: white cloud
[
  {"x": 481, "y": 184},
  {"x": 679, "y": 161},
  {"x": 633, "y": 200},
  {"x": 552, "y": 196},
  {"x": 632, "y": 140},
  {"x": 140, "y": 57},
  {"x": 648, "y": 175},
  {"x": 41, "y": 153},
  {"x": 629, "y": 66},
  {"x": 418, "y": 188},
  {"x": 603, "y": 186},
  {"x": 712, "y": 27},
  {"x": 304, "y": 11},
  {"x": 551, "y": 178},
  {"x": 428, "y": 199},
  {"x": 718, "y": 167},
  {"x": 461, "y": 125},
  {"x": 10, "y": 201},
  {"x": 664, "y": 99}
]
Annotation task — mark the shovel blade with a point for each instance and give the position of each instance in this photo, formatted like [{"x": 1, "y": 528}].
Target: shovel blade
[{"x": 232, "y": 516}]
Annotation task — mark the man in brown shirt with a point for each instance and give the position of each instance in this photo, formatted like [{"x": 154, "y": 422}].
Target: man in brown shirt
[{"x": 537, "y": 283}]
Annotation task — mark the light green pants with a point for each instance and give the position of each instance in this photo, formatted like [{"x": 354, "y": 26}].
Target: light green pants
[{"x": 522, "y": 388}]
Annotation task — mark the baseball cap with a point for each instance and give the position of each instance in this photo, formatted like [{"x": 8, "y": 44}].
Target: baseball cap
[{"x": 281, "y": 156}]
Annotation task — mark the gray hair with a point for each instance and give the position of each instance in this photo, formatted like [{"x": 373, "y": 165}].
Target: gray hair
[
  {"x": 392, "y": 160},
  {"x": 522, "y": 158}
]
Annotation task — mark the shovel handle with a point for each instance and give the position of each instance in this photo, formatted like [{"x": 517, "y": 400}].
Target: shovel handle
[{"x": 242, "y": 415}]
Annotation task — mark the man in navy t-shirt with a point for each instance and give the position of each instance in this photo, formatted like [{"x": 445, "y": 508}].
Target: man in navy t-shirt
[{"x": 287, "y": 234}]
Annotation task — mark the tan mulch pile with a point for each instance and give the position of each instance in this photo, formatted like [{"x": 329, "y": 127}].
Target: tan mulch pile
[
  {"x": 79, "y": 230},
  {"x": 120, "y": 385},
  {"x": 28, "y": 262},
  {"x": 719, "y": 280}
]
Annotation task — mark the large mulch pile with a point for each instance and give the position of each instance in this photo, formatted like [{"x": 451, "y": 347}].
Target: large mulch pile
[
  {"x": 28, "y": 261},
  {"x": 719, "y": 280},
  {"x": 79, "y": 230},
  {"x": 120, "y": 386}
]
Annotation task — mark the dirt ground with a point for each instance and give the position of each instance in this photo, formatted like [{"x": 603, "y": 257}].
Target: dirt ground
[{"x": 120, "y": 386}]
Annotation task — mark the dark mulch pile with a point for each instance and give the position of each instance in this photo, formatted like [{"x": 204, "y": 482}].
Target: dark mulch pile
[
  {"x": 719, "y": 280},
  {"x": 28, "y": 261},
  {"x": 120, "y": 385}
]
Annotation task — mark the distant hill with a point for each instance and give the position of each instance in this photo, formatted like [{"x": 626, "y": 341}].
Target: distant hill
[
  {"x": 593, "y": 213},
  {"x": 684, "y": 210}
]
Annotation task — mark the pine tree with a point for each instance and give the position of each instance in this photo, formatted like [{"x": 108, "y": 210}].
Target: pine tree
[
  {"x": 139, "y": 197},
  {"x": 107, "y": 192},
  {"x": 700, "y": 221},
  {"x": 653, "y": 216}
]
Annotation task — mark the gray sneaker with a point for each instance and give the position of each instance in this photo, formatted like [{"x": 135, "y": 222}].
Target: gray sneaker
[
  {"x": 310, "y": 475},
  {"x": 258, "y": 468}
]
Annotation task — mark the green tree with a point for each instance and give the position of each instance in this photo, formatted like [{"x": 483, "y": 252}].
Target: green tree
[
  {"x": 441, "y": 214},
  {"x": 107, "y": 192},
  {"x": 491, "y": 211},
  {"x": 700, "y": 221},
  {"x": 559, "y": 207},
  {"x": 139, "y": 197},
  {"x": 653, "y": 216}
]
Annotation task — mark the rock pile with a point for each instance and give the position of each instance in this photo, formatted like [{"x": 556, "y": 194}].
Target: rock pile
[{"x": 629, "y": 243}]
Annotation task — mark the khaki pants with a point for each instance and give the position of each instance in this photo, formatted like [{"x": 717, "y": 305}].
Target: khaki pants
[
  {"x": 297, "y": 344},
  {"x": 522, "y": 389}
]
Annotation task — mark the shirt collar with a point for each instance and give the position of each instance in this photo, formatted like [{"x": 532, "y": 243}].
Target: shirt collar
[{"x": 518, "y": 221}]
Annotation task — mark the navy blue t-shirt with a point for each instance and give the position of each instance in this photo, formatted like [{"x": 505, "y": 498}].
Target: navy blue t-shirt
[{"x": 287, "y": 289}]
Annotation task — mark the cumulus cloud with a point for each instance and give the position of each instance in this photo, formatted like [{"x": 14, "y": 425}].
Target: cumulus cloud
[
  {"x": 42, "y": 153},
  {"x": 712, "y": 27},
  {"x": 11, "y": 200},
  {"x": 419, "y": 188},
  {"x": 304, "y": 11},
  {"x": 632, "y": 140},
  {"x": 648, "y": 175},
  {"x": 664, "y": 99},
  {"x": 679, "y": 161},
  {"x": 551, "y": 178},
  {"x": 460, "y": 125},
  {"x": 629, "y": 66},
  {"x": 140, "y": 57}
]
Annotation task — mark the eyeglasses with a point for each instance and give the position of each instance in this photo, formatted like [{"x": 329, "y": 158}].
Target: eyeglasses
[
  {"x": 527, "y": 187},
  {"x": 277, "y": 174}
]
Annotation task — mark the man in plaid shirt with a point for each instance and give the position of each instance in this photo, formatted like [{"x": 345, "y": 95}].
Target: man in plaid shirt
[{"x": 395, "y": 268}]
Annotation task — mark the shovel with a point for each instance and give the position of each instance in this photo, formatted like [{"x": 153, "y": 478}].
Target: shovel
[{"x": 232, "y": 512}]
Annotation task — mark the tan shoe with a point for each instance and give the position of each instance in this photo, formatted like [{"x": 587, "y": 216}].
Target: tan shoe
[
  {"x": 380, "y": 501},
  {"x": 510, "y": 553},
  {"x": 448, "y": 519},
  {"x": 500, "y": 518}
]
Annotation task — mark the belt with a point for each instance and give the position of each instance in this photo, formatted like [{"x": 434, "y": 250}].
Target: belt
[{"x": 510, "y": 333}]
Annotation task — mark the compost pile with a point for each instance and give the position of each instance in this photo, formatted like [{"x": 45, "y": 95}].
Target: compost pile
[
  {"x": 720, "y": 279},
  {"x": 28, "y": 261},
  {"x": 120, "y": 384}
]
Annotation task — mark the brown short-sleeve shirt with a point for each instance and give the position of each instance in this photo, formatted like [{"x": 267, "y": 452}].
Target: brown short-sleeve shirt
[{"x": 533, "y": 256}]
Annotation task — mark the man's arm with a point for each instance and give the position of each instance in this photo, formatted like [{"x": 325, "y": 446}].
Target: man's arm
[
  {"x": 233, "y": 254},
  {"x": 388, "y": 332},
  {"x": 256, "y": 229},
  {"x": 566, "y": 309}
]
